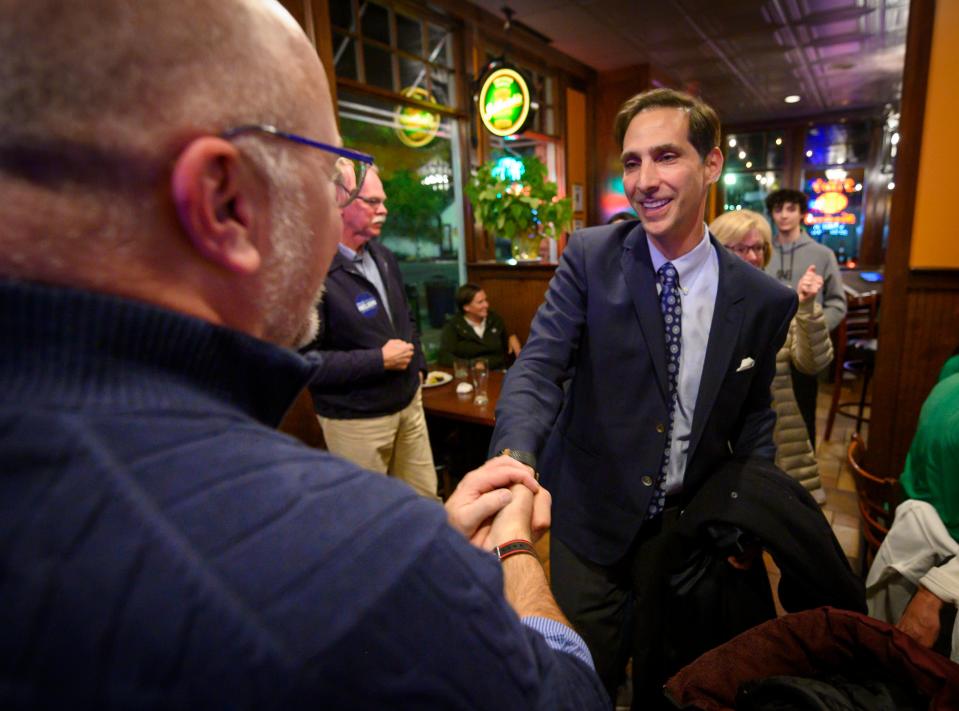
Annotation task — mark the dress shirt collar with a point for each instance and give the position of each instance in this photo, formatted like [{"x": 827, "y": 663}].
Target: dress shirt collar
[
  {"x": 687, "y": 266},
  {"x": 352, "y": 255}
]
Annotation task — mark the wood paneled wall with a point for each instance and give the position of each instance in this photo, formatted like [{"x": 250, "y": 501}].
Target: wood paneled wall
[
  {"x": 576, "y": 150},
  {"x": 919, "y": 318},
  {"x": 314, "y": 18}
]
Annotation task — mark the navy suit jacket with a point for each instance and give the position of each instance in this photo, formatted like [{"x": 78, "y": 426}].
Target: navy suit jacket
[{"x": 588, "y": 394}]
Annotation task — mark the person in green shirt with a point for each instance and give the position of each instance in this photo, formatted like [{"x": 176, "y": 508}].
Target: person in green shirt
[
  {"x": 931, "y": 474},
  {"x": 476, "y": 331}
]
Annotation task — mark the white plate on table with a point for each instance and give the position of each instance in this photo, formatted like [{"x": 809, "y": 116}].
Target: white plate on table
[{"x": 435, "y": 378}]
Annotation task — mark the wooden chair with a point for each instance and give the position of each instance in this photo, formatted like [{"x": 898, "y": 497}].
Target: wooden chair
[
  {"x": 855, "y": 346},
  {"x": 878, "y": 498}
]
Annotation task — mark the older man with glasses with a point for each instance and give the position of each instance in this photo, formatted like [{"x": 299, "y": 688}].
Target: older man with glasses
[{"x": 367, "y": 393}]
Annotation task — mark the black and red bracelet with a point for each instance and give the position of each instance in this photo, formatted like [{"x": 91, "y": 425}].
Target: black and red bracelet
[{"x": 518, "y": 545}]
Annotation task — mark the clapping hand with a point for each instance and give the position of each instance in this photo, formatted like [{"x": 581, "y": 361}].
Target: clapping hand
[{"x": 809, "y": 284}]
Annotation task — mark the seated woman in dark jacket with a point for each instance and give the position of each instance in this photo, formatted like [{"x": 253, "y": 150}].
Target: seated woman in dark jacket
[{"x": 476, "y": 331}]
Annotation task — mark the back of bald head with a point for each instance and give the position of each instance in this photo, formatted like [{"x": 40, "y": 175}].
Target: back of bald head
[{"x": 113, "y": 80}]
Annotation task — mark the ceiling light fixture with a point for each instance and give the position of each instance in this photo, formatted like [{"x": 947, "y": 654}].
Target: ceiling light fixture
[
  {"x": 732, "y": 142},
  {"x": 793, "y": 99},
  {"x": 508, "y": 13}
]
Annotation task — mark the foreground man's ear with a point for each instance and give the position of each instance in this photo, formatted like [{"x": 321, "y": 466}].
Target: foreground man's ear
[{"x": 213, "y": 193}]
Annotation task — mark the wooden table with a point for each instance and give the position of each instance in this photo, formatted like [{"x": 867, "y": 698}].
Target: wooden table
[
  {"x": 460, "y": 432},
  {"x": 443, "y": 401},
  {"x": 854, "y": 284}
]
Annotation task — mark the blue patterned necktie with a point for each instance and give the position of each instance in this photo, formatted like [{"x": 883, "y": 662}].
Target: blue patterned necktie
[{"x": 672, "y": 309}]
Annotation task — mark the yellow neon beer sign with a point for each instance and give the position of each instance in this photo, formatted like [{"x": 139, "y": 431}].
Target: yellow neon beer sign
[
  {"x": 415, "y": 126},
  {"x": 504, "y": 102}
]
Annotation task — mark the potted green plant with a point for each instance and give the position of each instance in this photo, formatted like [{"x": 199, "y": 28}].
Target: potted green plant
[{"x": 514, "y": 200}]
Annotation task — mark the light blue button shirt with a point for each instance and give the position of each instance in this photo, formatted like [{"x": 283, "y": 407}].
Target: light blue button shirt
[
  {"x": 698, "y": 281},
  {"x": 363, "y": 261},
  {"x": 560, "y": 638}
]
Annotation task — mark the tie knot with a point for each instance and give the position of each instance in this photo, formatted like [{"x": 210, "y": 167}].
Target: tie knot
[{"x": 668, "y": 276}]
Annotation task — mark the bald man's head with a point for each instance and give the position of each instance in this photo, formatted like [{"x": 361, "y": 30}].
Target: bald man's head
[
  {"x": 122, "y": 75},
  {"x": 109, "y": 117}
]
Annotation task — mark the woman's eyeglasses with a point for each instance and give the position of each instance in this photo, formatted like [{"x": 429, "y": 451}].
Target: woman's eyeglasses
[{"x": 742, "y": 250}]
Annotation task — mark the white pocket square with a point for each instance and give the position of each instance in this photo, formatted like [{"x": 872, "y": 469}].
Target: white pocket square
[{"x": 745, "y": 364}]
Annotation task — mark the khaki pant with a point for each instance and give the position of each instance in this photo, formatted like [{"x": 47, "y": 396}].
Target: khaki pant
[{"x": 397, "y": 444}]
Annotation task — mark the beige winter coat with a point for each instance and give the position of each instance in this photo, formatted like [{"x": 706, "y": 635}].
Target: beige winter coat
[{"x": 809, "y": 348}]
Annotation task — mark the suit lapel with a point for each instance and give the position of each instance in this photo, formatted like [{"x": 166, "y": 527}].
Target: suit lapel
[
  {"x": 723, "y": 336},
  {"x": 641, "y": 282}
]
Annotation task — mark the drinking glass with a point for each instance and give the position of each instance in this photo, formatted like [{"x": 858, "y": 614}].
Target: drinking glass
[
  {"x": 461, "y": 368},
  {"x": 479, "y": 371}
]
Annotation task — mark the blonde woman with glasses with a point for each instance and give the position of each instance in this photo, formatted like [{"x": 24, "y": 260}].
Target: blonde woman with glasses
[{"x": 747, "y": 235}]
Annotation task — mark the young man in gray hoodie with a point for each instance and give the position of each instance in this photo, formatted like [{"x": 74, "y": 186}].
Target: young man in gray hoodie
[{"x": 794, "y": 252}]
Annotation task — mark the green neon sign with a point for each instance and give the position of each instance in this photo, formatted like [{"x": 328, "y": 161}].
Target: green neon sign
[
  {"x": 415, "y": 126},
  {"x": 504, "y": 102}
]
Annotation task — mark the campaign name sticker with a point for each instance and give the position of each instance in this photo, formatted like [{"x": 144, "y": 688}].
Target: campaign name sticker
[{"x": 367, "y": 304}]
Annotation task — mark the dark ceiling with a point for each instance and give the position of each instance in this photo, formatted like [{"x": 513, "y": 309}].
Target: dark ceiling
[{"x": 743, "y": 56}]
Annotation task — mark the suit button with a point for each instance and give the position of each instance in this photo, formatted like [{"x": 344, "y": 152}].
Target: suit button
[
  {"x": 660, "y": 427},
  {"x": 647, "y": 480}
]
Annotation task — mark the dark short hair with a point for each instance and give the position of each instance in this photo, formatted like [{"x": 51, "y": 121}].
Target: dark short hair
[
  {"x": 703, "y": 121},
  {"x": 778, "y": 198},
  {"x": 465, "y": 294}
]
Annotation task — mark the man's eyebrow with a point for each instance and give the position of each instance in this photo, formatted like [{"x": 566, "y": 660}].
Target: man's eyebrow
[
  {"x": 666, "y": 148},
  {"x": 662, "y": 148}
]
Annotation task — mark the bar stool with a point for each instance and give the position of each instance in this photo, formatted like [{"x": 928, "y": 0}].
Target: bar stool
[{"x": 856, "y": 342}]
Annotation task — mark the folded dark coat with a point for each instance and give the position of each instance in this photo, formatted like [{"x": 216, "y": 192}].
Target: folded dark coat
[{"x": 748, "y": 503}]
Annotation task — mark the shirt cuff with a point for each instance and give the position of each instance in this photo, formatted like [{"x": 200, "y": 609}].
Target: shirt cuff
[
  {"x": 560, "y": 637},
  {"x": 943, "y": 582}
]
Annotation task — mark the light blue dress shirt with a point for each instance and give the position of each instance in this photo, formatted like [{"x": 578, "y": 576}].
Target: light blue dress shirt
[
  {"x": 698, "y": 282},
  {"x": 560, "y": 637},
  {"x": 363, "y": 261}
]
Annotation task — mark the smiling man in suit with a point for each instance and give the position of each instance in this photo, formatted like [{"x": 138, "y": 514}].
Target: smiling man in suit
[{"x": 648, "y": 364}]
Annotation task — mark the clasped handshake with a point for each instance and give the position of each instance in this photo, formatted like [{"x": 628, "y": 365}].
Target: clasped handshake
[{"x": 501, "y": 501}]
